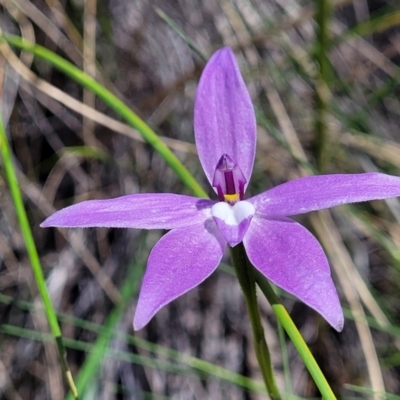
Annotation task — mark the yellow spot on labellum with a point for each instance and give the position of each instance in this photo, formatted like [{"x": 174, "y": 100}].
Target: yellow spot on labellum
[{"x": 231, "y": 198}]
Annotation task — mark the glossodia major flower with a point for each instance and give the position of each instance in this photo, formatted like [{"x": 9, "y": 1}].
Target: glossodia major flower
[{"x": 200, "y": 230}]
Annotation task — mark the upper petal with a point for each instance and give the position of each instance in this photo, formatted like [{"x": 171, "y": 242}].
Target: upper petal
[
  {"x": 144, "y": 211},
  {"x": 224, "y": 120},
  {"x": 181, "y": 260},
  {"x": 288, "y": 255},
  {"x": 324, "y": 191}
]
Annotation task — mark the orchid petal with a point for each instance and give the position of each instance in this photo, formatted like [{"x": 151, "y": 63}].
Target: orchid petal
[
  {"x": 233, "y": 221},
  {"x": 324, "y": 191},
  {"x": 180, "y": 261},
  {"x": 224, "y": 120},
  {"x": 142, "y": 211},
  {"x": 289, "y": 256}
]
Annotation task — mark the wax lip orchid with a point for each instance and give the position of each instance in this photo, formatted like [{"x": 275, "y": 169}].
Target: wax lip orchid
[{"x": 200, "y": 230}]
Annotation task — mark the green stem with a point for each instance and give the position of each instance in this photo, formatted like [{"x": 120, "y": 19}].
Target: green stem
[
  {"x": 295, "y": 337},
  {"x": 33, "y": 255},
  {"x": 245, "y": 275}
]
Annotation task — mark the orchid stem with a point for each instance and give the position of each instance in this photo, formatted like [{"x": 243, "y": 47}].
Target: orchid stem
[
  {"x": 245, "y": 274},
  {"x": 295, "y": 337}
]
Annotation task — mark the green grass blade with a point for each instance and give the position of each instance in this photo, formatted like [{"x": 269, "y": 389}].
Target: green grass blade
[
  {"x": 33, "y": 255},
  {"x": 114, "y": 103}
]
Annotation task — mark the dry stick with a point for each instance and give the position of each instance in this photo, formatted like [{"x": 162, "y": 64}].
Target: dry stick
[
  {"x": 27, "y": 32},
  {"x": 322, "y": 92},
  {"x": 48, "y": 27},
  {"x": 89, "y": 66},
  {"x": 72, "y": 44},
  {"x": 7, "y": 386},
  {"x": 359, "y": 283},
  {"x": 362, "y": 47},
  {"x": 89, "y": 98},
  {"x": 53, "y": 372},
  {"x": 383, "y": 150},
  {"x": 57, "y": 9},
  {"x": 292, "y": 21}
]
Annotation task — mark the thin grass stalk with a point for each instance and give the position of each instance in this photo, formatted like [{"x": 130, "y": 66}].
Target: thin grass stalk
[{"x": 285, "y": 361}]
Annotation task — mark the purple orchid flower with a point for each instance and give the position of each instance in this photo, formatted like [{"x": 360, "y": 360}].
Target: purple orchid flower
[{"x": 200, "y": 230}]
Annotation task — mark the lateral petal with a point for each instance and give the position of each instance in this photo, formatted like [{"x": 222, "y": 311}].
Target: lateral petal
[
  {"x": 181, "y": 260},
  {"x": 224, "y": 120},
  {"x": 290, "y": 256},
  {"x": 142, "y": 211},
  {"x": 324, "y": 191}
]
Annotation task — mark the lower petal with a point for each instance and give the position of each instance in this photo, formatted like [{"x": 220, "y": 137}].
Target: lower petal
[
  {"x": 290, "y": 256},
  {"x": 233, "y": 221},
  {"x": 181, "y": 260}
]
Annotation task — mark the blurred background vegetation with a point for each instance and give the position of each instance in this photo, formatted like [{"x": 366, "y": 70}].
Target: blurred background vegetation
[{"x": 324, "y": 78}]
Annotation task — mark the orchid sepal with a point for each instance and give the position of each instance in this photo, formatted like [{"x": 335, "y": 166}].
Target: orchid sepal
[
  {"x": 224, "y": 119},
  {"x": 140, "y": 211},
  {"x": 319, "y": 192}
]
